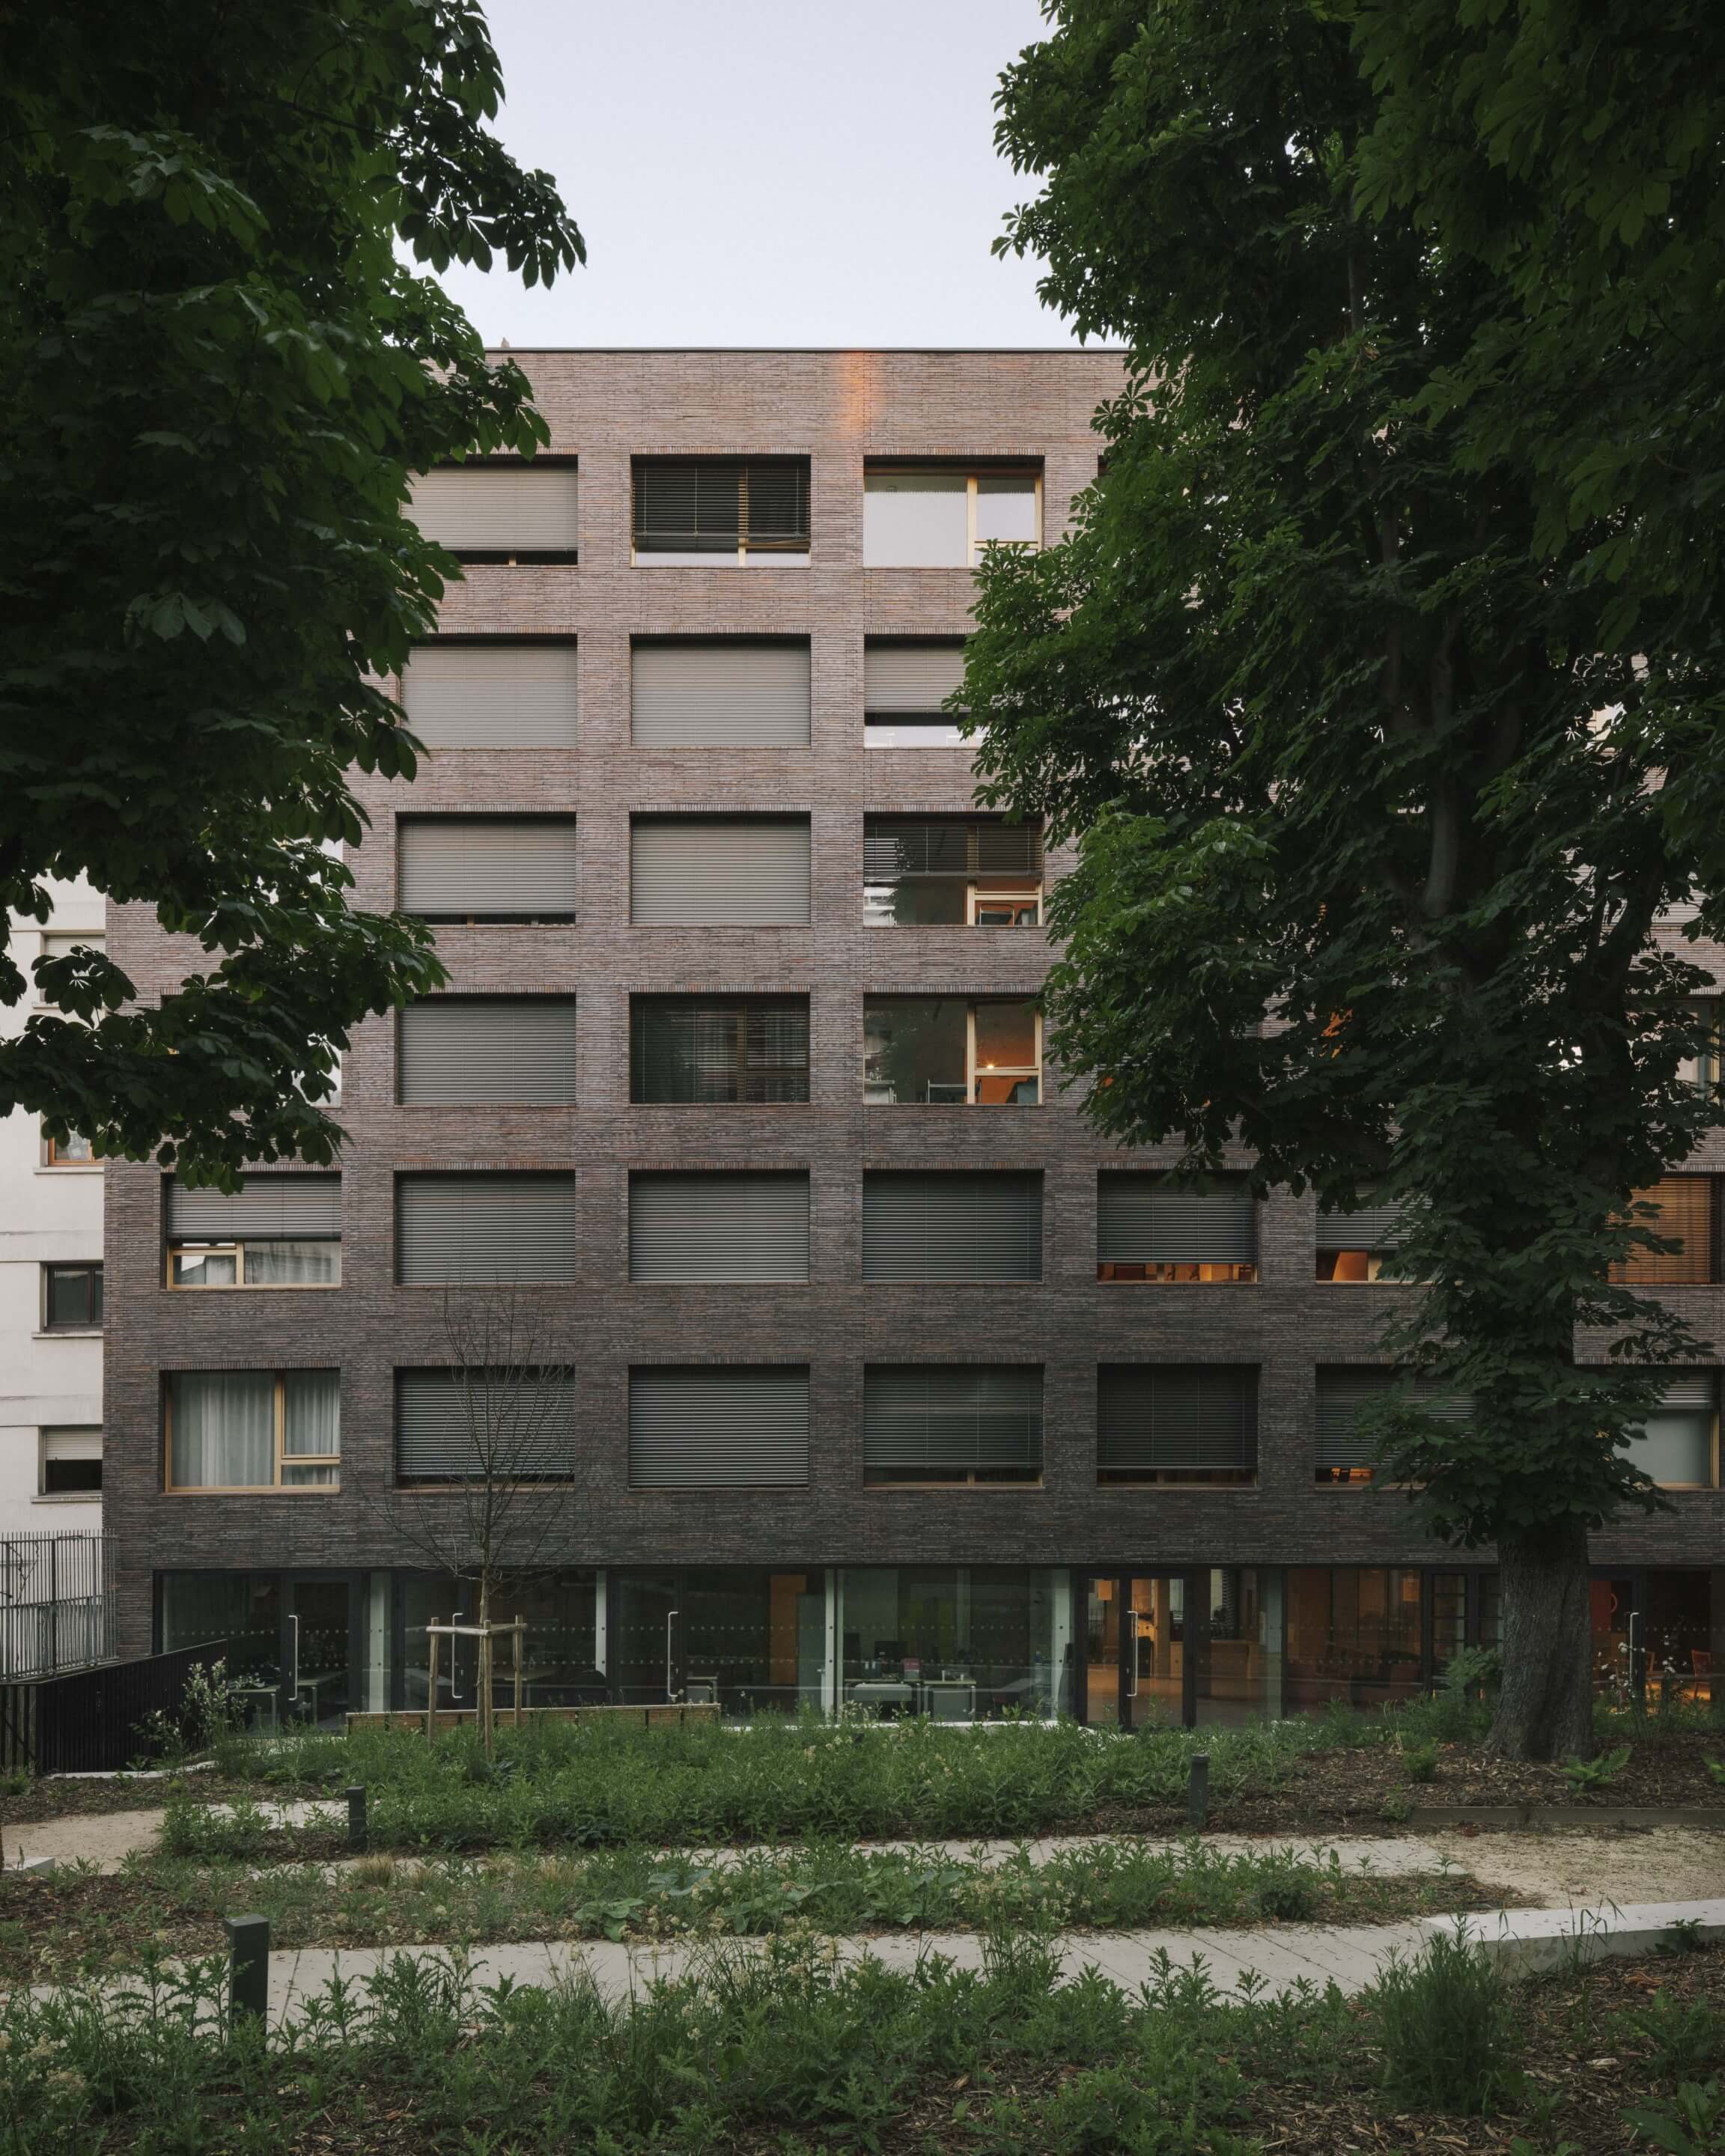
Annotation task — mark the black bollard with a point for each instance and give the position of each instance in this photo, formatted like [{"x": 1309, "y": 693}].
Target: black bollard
[
  {"x": 357, "y": 1819},
  {"x": 1198, "y": 1790},
  {"x": 249, "y": 1977}
]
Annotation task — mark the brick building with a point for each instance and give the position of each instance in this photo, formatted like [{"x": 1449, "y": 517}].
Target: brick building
[{"x": 890, "y": 1383}]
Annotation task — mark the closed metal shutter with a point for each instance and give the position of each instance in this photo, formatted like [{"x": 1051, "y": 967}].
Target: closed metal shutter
[
  {"x": 478, "y": 1229},
  {"x": 730, "y": 693},
  {"x": 951, "y": 1224},
  {"x": 1683, "y": 1211},
  {"x": 726, "y": 1224},
  {"x": 1367, "y": 1227},
  {"x": 513, "y": 696},
  {"x": 713, "y": 1049},
  {"x": 911, "y": 677},
  {"x": 1143, "y": 1220},
  {"x": 496, "y": 1425},
  {"x": 278, "y": 1208},
  {"x": 715, "y": 1427},
  {"x": 708, "y": 872},
  {"x": 491, "y": 509},
  {"x": 895, "y": 848},
  {"x": 1345, "y": 1393},
  {"x": 1199, "y": 1417},
  {"x": 481, "y": 868},
  {"x": 710, "y": 504},
  {"x": 1691, "y": 1389},
  {"x": 923, "y": 1418},
  {"x": 486, "y": 1048}
]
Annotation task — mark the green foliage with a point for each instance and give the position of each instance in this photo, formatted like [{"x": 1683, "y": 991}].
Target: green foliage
[
  {"x": 1445, "y": 2029},
  {"x": 1472, "y": 1671},
  {"x": 210, "y": 1710},
  {"x": 1694, "y": 2125},
  {"x": 1682, "y": 2037},
  {"x": 1346, "y": 722},
  {"x": 1597, "y": 1774},
  {"x": 219, "y": 377},
  {"x": 1716, "y": 1770},
  {"x": 1421, "y": 1761}
]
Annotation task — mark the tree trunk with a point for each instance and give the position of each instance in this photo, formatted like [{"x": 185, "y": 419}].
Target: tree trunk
[
  {"x": 486, "y": 1737},
  {"x": 1545, "y": 1710}
]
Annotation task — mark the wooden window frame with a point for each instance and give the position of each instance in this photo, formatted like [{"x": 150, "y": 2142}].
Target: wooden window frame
[
  {"x": 1018, "y": 1072},
  {"x": 239, "y": 1280},
  {"x": 277, "y": 1488},
  {"x": 971, "y": 474}
]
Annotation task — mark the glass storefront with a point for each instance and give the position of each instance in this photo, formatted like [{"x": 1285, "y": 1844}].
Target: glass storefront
[
  {"x": 747, "y": 1637},
  {"x": 1354, "y": 1633},
  {"x": 558, "y": 1664},
  {"x": 960, "y": 1643}
]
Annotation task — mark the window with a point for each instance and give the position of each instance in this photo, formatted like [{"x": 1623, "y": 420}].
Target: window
[
  {"x": 728, "y": 1224},
  {"x": 951, "y": 1224},
  {"x": 1151, "y": 1229},
  {"x": 71, "y": 1298},
  {"x": 480, "y": 1230},
  {"x": 61, "y": 943},
  {"x": 709, "y": 1050},
  {"x": 944, "y": 1423},
  {"x": 501, "y": 510},
  {"x": 941, "y": 517},
  {"x": 946, "y": 1051},
  {"x": 718, "y": 1426},
  {"x": 1177, "y": 1422},
  {"x": 487, "y": 868},
  {"x": 254, "y": 1429},
  {"x": 273, "y": 1231},
  {"x": 705, "y": 511},
  {"x": 906, "y": 684},
  {"x": 951, "y": 871},
  {"x": 1352, "y": 1246},
  {"x": 494, "y": 1050},
  {"x": 1348, "y": 1400},
  {"x": 1701, "y": 1069},
  {"x": 492, "y": 692},
  {"x": 1684, "y": 1213},
  {"x": 510, "y": 1426},
  {"x": 75, "y": 1150},
  {"x": 1678, "y": 1444},
  {"x": 719, "y": 872},
  {"x": 723, "y": 692},
  {"x": 70, "y": 1462}
]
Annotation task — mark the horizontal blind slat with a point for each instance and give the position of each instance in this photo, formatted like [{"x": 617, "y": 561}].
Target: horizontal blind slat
[
  {"x": 518, "y": 868},
  {"x": 950, "y": 1224},
  {"x": 689, "y": 871},
  {"x": 718, "y": 1427},
  {"x": 910, "y": 677},
  {"x": 280, "y": 1207},
  {"x": 1367, "y": 1227},
  {"x": 723, "y": 695},
  {"x": 897, "y": 847},
  {"x": 494, "y": 1051},
  {"x": 1345, "y": 1392},
  {"x": 1153, "y": 1417},
  {"x": 488, "y": 509},
  {"x": 724, "y": 1224},
  {"x": 463, "y": 696},
  {"x": 925, "y": 1417},
  {"x": 450, "y": 1424},
  {"x": 1142, "y": 1221},
  {"x": 480, "y": 1229}
]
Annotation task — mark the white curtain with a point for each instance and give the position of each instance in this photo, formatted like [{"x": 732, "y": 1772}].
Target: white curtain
[
  {"x": 313, "y": 1423},
  {"x": 290, "y": 1264},
  {"x": 223, "y": 1429}
]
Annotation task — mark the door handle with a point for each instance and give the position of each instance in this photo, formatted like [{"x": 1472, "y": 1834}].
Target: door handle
[
  {"x": 670, "y": 1619},
  {"x": 455, "y": 1618},
  {"x": 1130, "y": 1630},
  {"x": 293, "y": 1620}
]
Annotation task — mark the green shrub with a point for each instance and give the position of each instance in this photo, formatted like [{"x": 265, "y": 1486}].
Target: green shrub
[
  {"x": 1420, "y": 1761},
  {"x": 1445, "y": 2029},
  {"x": 1693, "y": 2125},
  {"x": 1684, "y": 2037},
  {"x": 1598, "y": 1774}
]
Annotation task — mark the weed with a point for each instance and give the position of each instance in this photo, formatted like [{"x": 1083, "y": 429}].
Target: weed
[
  {"x": 1288, "y": 1900},
  {"x": 1694, "y": 2125},
  {"x": 1683, "y": 1935},
  {"x": 1684, "y": 2038},
  {"x": 1420, "y": 1760},
  {"x": 1598, "y": 1774},
  {"x": 1715, "y": 1770},
  {"x": 1445, "y": 2029},
  {"x": 1394, "y": 1810}
]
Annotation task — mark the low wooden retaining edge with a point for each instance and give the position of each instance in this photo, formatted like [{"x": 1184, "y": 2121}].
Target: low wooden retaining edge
[
  {"x": 1538, "y": 1817},
  {"x": 463, "y": 1718}
]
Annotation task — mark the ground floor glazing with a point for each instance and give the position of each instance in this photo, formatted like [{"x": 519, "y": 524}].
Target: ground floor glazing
[{"x": 1116, "y": 1647}]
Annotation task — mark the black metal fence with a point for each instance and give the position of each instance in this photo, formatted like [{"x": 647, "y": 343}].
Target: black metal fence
[
  {"x": 56, "y": 1603},
  {"x": 89, "y": 1722}
]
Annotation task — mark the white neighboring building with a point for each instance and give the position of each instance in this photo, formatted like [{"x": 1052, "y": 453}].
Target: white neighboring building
[{"x": 50, "y": 1301}]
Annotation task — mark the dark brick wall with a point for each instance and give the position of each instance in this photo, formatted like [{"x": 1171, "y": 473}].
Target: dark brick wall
[{"x": 838, "y": 408}]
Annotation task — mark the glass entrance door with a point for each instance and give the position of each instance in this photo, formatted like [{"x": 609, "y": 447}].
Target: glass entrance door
[
  {"x": 1137, "y": 1670},
  {"x": 319, "y": 1659}
]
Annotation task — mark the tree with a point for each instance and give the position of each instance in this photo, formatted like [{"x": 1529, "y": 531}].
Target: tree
[
  {"x": 498, "y": 1509},
  {"x": 219, "y": 376},
  {"x": 1373, "y": 790}
]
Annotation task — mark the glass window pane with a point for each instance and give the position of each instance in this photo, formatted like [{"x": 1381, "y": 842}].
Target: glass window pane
[
  {"x": 223, "y": 1430},
  {"x": 917, "y": 903},
  {"x": 312, "y": 1422},
  {"x": 1006, "y": 1036},
  {"x": 74, "y": 1296},
  {"x": 292, "y": 1265},
  {"x": 1006, "y": 509},
  {"x": 913, "y": 733},
  {"x": 913, "y": 1051},
  {"x": 1676, "y": 1446},
  {"x": 196, "y": 1268},
  {"x": 916, "y": 520}
]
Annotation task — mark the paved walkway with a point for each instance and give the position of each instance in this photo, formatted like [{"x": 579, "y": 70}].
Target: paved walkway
[{"x": 1273, "y": 1961}]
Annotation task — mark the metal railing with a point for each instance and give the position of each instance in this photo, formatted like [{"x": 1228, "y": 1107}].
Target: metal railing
[
  {"x": 92, "y": 1721},
  {"x": 56, "y": 1603}
]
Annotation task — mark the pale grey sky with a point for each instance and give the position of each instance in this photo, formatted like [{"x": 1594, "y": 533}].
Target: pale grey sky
[{"x": 767, "y": 172}]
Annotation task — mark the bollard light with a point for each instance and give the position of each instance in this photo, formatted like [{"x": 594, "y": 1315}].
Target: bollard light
[{"x": 248, "y": 1968}]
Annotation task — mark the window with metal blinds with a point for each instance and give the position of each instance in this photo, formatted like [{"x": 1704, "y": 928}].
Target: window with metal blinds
[
  {"x": 1677, "y": 1444},
  {"x": 718, "y": 1049},
  {"x": 288, "y": 1207},
  {"x": 1367, "y": 1227},
  {"x": 718, "y": 1426},
  {"x": 951, "y": 1224},
  {"x": 1141, "y": 1218},
  {"x": 481, "y": 1230},
  {"x": 717, "y": 504},
  {"x": 495, "y": 695},
  {"x": 491, "y": 1425},
  {"x": 1347, "y": 1394},
  {"x": 711, "y": 871},
  {"x": 487, "y": 868},
  {"x": 1191, "y": 1417},
  {"x": 489, "y": 1049},
  {"x": 730, "y": 692},
  {"x": 912, "y": 678},
  {"x": 897, "y": 847},
  {"x": 723, "y": 1224},
  {"x": 923, "y": 1418},
  {"x": 502, "y": 510},
  {"x": 1684, "y": 1211}
]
